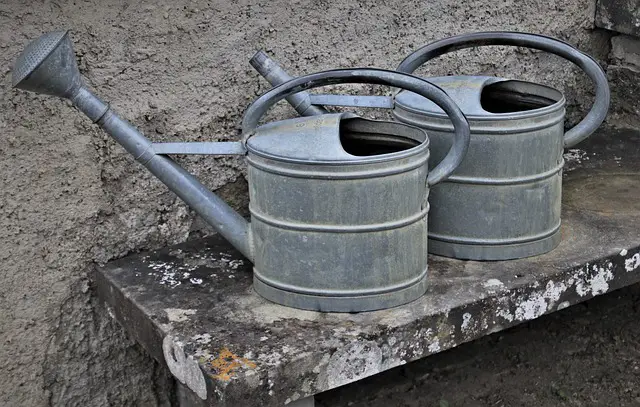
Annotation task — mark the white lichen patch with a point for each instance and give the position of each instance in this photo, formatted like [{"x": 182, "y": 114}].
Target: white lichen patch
[
  {"x": 272, "y": 359},
  {"x": 168, "y": 274},
  {"x": 434, "y": 347},
  {"x": 471, "y": 325},
  {"x": 505, "y": 314},
  {"x": 231, "y": 264},
  {"x": 466, "y": 321},
  {"x": 534, "y": 304},
  {"x": 532, "y": 308},
  {"x": 623, "y": 252},
  {"x": 353, "y": 362},
  {"x": 632, "y": 263},
  {"x": 178, "y": 315},
  {"x": 493, "y": 284},
  {"x": 171, "y": 274},
  {"x": 202, "y": 339},
  {"x": 596, "y": 283},
  {"x": 207, "y": 258},
  {"x": 589, "y": 280},
  {"x": 573, "y": 157}
]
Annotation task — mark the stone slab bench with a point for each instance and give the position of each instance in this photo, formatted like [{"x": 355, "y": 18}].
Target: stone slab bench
[{"x": 192, "y": 307}]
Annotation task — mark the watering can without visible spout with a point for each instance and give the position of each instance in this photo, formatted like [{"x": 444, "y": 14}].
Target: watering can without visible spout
[
  {"x": 327, "y": 230},
  {"x": 504, "y": 200}
]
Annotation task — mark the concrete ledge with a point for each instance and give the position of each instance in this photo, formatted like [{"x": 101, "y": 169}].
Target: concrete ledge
[{"x": 192, "y": 306}]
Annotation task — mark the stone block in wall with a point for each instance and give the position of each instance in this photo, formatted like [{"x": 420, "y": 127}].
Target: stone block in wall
[
  {"x": 625, "y": 51},
  {"x": 619, "y": 15},
  {"x": 625, "y": 96},
  {"x": 623, "y": 74}
]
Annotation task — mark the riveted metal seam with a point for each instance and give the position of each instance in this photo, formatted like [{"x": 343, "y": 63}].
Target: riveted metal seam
[{"x": 304, "y": 227}]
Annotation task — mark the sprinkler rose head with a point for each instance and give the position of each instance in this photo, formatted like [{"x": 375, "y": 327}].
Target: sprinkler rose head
[{"x": 48, "y": 65}]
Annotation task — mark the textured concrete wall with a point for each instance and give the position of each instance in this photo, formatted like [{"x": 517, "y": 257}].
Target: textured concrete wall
[
  {"x": 179, "y": 70},
  {"x": 624, "y": 75}
]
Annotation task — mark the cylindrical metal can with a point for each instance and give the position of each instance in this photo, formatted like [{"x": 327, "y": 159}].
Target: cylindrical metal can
[{"x": 504, "y": 200}]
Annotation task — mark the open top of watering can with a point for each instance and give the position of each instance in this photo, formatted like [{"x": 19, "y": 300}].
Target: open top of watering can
[
  {"x": 502, "y": 95},
  {"x": 486, "y": 98},
  {"x": 339, "y": 138}
]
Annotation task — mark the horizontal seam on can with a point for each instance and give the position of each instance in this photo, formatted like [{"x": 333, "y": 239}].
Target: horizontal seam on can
[
  {"x": 341, "y": 293},
  {"x": 493, "y": 242},
  {"x": 364, "y": 160},
  {"x": 377, "y": 227},
  {"x": 337, "y": 175},
  {"x": 518, "y": 115},
  {"x": 507, "y": 181},
  {"x": 476, "y": 129}
]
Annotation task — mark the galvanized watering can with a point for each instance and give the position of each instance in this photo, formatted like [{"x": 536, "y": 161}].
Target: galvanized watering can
[
  {"x": 327, "y": 230},
  {"x": 504, "y": 200}
]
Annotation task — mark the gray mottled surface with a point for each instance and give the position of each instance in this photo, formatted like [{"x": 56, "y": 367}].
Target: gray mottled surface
[
  {"x": 179, "y": 71},
  {"x": 619, "y": 15},
  {"x": 623, "y": 73},
  {"x": 192, "y": 305}
]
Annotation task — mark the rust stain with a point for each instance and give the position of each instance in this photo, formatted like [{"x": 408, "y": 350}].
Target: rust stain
[{"x": 227, "y": 363}]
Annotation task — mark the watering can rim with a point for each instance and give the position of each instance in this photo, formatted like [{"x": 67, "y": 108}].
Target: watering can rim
[
  {"x": 302, "y": 154},
  {"x": 472, "y": 108}
]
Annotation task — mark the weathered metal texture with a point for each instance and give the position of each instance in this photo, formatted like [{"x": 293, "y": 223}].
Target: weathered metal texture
[
  {"x": 328, "y": 229},
  {"x": 238, "y": 349},
  {"x": 503, "y": 202},
  {"x": 619, "y": 15},
  {"x": 339, "y": 220}
]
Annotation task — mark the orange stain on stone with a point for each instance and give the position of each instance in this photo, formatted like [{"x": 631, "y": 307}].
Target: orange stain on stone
[{"x": 227, "y": 363}]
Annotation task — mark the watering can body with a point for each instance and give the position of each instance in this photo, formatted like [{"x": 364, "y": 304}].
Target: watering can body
[
  {"x": 327, "y": 229},
  {"x": 504, "y": 200}
]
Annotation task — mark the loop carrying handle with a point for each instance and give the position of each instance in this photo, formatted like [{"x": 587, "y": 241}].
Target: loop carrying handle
[
  {"x": 573, "y": 136},
  {"x": 411, "y": 83}
]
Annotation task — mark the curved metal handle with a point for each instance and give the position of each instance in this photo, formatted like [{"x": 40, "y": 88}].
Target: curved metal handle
[
  {"x": 411, "y": 83},
  {"x": 600, "y": 106}
]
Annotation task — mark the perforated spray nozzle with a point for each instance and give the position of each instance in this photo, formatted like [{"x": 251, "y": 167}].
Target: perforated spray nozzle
[{"x": 48, "y": 65}]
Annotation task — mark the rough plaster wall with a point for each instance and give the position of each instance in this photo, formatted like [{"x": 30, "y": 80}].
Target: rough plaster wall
[{"x": 179, "y": 70}]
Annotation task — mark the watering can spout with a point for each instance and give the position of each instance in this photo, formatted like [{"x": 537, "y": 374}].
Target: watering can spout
[
  {"x": 48, "y": 66},
  {"x": 275, "y": 75}
]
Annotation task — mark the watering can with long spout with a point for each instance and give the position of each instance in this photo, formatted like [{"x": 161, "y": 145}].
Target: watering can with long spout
[
  {"x": 504, "y": 200},
  {"x": 328, "y": 231}
]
